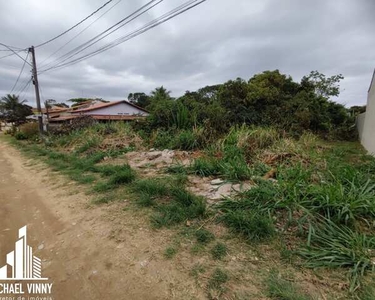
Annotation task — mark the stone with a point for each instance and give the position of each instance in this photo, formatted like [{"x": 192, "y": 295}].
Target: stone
[{"x": 216, "y": 181}]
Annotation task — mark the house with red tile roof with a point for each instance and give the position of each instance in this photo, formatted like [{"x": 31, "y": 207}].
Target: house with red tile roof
[{"x": 115, "y": 110}]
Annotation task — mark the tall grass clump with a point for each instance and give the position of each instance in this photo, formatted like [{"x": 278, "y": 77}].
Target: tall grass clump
[
  {"x": 126, "y": 175},
  {"x": 182, "y": 206},
  {"x": 172, "y": 203},
  {"x": 251, "y": 139},
  {"x": 342, "y": 203},
  {"x": 334, "y": 246},
  {"x": 279, "y": 288},
  {"x": 254, "y": 225}
]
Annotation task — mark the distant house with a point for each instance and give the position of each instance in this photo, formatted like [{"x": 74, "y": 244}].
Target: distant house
[
  {"x": 116, "y": 111},
  {"x": 366, "y": 121}
]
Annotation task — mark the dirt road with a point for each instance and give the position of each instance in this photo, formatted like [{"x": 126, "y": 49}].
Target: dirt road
[{"x": 87, "y": 252}]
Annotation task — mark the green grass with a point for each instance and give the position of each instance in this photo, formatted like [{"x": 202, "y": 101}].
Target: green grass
[
  {"x": 170, "y": 252},
  {"x": 177, "y": 169},
  {"x": 204, "y": 236},
  {"x": 218, "y": 278},
  {"x": 254, "y": 226},
  {"x": 197, "y": 270},
  {"x": 125, "y": 176},
  {"x": 172, "y": 203},
  {"x": 102, "y": 186},
  {"x": 367, "y": 293},
  {"x": 334, "y": 246},
  {"x": 219, "y": 251},
  {"x": 316, "y": 180},
  {"x": 152, "y": 187},
  {"x": 281, "y": 289}
]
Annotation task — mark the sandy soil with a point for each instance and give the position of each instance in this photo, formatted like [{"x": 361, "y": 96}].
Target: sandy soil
[{"x": 88, "y": 252}]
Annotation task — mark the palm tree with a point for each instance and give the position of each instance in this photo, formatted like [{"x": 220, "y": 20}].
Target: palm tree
[
  {"x": 14, "y": 110},
  {"x": 161, "y": 93}
]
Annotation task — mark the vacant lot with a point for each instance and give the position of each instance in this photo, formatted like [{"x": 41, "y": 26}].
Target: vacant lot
[{"x": 256, "y": 214}]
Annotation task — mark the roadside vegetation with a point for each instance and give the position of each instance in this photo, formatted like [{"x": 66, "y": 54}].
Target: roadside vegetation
[{"x": 311, "y": 200}]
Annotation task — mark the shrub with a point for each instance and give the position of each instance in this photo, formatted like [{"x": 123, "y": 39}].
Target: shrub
[
  {"x": 30, "y": 130},
  {"x": 76, "y": 124},
  {"x": 162, "y": 139},
  {"x": 20, "y": 136},
  {"x": 185, "y": 140}
]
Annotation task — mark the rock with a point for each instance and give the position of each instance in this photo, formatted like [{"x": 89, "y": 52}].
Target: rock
[
  {"x": 41, "y": 246},
  {"x": 216, "y": 181},
  {"x": 241, "y": 187},
  {"x": 144, "y": 263},
  {"x": 152, "y": 156},
  {"x": 273, "y": 180}
]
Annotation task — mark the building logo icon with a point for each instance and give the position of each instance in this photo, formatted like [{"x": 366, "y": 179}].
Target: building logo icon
[{"x": 20, "y": 263}]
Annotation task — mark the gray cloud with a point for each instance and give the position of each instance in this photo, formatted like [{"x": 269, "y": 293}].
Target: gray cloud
[{"x": 215, "y": 42}]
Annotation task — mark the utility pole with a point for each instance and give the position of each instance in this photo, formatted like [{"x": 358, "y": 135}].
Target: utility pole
[{"x": 36, "y": 85}]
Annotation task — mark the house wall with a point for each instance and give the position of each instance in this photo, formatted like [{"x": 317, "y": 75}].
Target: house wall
[
  {"x": 361, "y": 124},
  {"x": 368, "y": 134},
  {"x": 121, "y": 109}
]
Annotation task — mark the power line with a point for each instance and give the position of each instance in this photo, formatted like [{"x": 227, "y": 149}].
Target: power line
[
  {"x": 73, "y": 38},
  {"x": 94, "y": 40},
  {"x": 25, "y": 87},
  {"x": 14, "y": 52},
  {"x": 19, "y": 75},
  {"x": 12, "y": 47},
  {"x": 164, "y": 18},
  {"x": 71, "y": 28}
]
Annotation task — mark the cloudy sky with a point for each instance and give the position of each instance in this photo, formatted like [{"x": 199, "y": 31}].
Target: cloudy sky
[{"x": 212, "y": 43}]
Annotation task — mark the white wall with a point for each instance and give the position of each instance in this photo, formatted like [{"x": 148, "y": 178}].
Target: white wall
[
  {"x": 368, "y": 135},
  {"x": 121, "y": 109},
  {"x": 361, "y": 124}
]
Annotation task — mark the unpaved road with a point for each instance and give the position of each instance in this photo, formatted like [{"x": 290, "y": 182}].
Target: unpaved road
[{"x": 88, "y": 252}]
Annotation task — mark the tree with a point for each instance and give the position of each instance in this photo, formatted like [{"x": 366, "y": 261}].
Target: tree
[
  {"x": 61, "y": 104},
  {"x": 357, "y": 110},
  {"x": 160, "y": 93},
  {"x": 323, "y": 86},
  {"x": 13, "y": 110},
  {"x": 140, "y": 99},
  {"x": 79, "y": 101}
]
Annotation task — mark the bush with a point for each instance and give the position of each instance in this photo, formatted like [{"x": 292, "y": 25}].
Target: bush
[
  {"x": 20, "y": 136},
  {"x": 30, "y": 130},
  {"x": 76, "y": 124}
]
